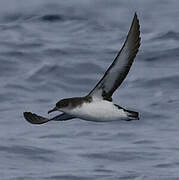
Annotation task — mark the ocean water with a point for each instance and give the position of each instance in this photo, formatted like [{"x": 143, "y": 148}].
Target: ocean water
[{"x": 55, "y": 49}]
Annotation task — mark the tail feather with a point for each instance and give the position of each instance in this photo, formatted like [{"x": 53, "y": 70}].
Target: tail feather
[{"x": 133, "y": 115}]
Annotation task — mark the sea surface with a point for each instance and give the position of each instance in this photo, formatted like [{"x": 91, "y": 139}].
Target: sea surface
[{"x": 53, "y": 49}]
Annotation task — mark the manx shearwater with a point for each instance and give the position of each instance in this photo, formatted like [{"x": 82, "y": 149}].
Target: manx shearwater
[{"x": 97, "y": 105}]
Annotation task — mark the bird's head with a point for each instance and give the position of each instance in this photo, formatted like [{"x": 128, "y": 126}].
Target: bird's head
[{"x": 60, "y": 105}]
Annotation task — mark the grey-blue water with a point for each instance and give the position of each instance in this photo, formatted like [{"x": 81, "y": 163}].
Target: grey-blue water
[{"x": 55, "y": 49}]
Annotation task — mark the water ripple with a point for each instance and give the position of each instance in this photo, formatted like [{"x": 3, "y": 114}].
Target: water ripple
[{"x": 121, "y": 156}]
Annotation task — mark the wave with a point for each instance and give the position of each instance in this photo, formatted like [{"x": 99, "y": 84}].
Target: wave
[{"x": 168, "y": 35}]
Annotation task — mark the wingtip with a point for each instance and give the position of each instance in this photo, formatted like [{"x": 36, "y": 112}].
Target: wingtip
[
  {"x": 34, "y": 119},
  {"x": 26, "y": 114},
  {"x": 136, "y": 18}
]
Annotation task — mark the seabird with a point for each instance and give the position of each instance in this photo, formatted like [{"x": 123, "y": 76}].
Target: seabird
[{"x": 97, "y": 105}]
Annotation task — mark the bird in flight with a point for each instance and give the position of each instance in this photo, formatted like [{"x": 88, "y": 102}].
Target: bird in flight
[{"x": 98, "y": 105}]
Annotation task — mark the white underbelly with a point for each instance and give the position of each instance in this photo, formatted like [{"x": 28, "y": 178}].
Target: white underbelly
[{"x": 99, "y": 111}]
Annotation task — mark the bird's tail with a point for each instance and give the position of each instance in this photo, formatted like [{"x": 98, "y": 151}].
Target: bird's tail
[{"x": 132, "y": 115}]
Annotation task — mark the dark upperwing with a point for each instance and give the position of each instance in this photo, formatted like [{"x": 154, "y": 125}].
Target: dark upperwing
[
  {"x": 121, "y": 65},
  {"x": 36, "y": 119}
]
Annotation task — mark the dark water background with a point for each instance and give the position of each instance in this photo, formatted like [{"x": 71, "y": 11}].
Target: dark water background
[{"x": 55, "y": 49}]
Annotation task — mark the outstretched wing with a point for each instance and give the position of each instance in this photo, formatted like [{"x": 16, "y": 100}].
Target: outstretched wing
[
  {"x": 36, "y": 119},
  {"x": 120, "y": 67}
]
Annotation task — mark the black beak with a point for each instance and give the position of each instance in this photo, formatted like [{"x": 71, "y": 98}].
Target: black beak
[{"x": 54, "y": 109}]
